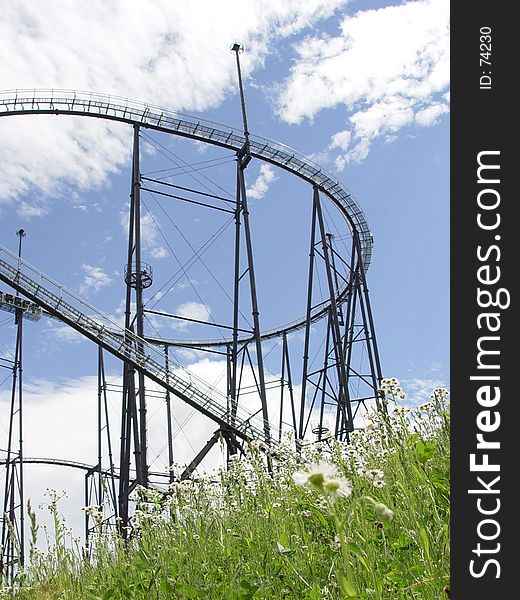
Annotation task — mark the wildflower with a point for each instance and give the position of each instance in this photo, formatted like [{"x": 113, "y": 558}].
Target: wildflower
[
  {"x": 257, "y": 445},
  {"x": 94, "y": 513},
  {"x": 324, "y": 478}
]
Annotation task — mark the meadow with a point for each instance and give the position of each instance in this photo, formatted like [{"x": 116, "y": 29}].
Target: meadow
[{"x": 368, "y": 519}]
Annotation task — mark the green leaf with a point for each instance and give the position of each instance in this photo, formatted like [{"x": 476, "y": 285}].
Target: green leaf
[
  {"x": 424, "y": 451},
  {"x": 355, "y": 549},
  {"x": 174, "y": 570},
  {"x": 402, "y": 542},
  {"x": 187, "y": 590},
  {"x": 109, "y": 594},
  {"x": 426, "y": 542},
  {"x": 349, "y": 591},
  {"x": 396, "y": 577},
  {"x": 315, "y": 593},
  {"x": 412, "y": 439},
  {"x": 249, "y": 589},
  {"x": 321, "y": 518},
  {"x": 166, "y": 587}
]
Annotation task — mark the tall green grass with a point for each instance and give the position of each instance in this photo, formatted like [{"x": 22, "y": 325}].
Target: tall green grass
[{"x": 247, "y": 534}]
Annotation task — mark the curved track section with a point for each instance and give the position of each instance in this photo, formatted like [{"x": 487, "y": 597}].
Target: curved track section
[
  {"x": 23, "y": 102},
  {"x": 56, "y": 102}
]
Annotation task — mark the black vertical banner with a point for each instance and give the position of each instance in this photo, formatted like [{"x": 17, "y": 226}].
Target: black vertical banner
[{"x": 484, "y": 325}]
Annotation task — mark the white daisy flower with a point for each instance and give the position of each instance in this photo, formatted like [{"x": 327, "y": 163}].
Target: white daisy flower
[{"x": 324, "y": 477}]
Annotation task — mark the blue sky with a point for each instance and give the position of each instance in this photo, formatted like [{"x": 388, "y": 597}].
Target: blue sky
[{"x": 362, "y": 87}]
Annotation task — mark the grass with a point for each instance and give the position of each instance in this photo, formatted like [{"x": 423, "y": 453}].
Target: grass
[{"x": 250, "y": 535}]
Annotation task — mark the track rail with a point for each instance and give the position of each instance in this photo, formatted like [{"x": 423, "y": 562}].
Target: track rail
[
  {"x": 114, "y": 108},
  {"x": 72, "y": 464}
]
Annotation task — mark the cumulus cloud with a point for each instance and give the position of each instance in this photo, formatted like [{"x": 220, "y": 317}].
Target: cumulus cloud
[
  {"x": 95, "y": 279},
  {"x": 388, "y": 67},
  {"x": 194, "y": 310},
  {"x": 61, "y": 423},
  {"x": 191, "y": 310},
  {"x": 159, "y": 252},
  {"x": 419, "y": 389},
  {"x": 149, "y": 234},
  {"x": 171, "y": 54},
  {"x": 64, "y": 334},
  {"x": 261, "y": 185}
]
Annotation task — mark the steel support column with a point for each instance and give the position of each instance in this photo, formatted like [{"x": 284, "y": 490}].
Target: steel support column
[
  {"x": 306, "y": 344},
  {"x": 169, "y": 417},
  {"x": 287, "y": 377},
  {"x": 233, "y": 356},
  {"x": 257, "y": 332},
  {"x": 13, "y": 514},
  {"x": 13, "y": 552},
  {"x": 131, "y": 425},
  {"x": 343, "y": 396},
  {"x": 139, "y": 315}
]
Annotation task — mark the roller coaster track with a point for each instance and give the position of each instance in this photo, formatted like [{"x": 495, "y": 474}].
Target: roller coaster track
[
  {"x": 114, "y": 108},
  {"x": 72, "y": 464},
  {"x": 124, "y": 344}
]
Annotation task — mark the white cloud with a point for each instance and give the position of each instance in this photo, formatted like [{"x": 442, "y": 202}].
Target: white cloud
[
  {"x": 65, "y": 334},
  {"x": 159, "y": 252},
  {"x": 171, "y": 54},
  {"x": 191, "y": 310},
  {"x": 201, "y": 148},
  {"x": 95, "y": 279},
  {"x": 27, "y": 211},
  {"x": 261, "y": 185},
  {"x": 419, "y": 389},
  {"x": 431, "y": 114},
  {"x": 149, "y": 237},
  {"x": 149, "y": 234},
  {"x": 51, "y": 155},
  {"x": 389, "y": 67},
  {"x": 341, "y": 140},
  {"x": 194, "y": 310},
  {"x": 60, "y": 422}
]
